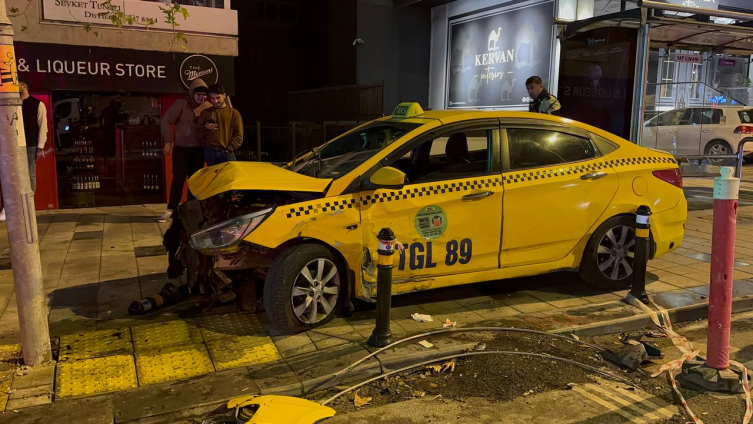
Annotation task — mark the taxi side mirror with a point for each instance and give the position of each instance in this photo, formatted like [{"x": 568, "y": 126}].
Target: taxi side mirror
[{"x": 388, "y": 177}]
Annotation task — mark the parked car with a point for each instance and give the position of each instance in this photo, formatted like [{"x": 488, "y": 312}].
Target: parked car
[
  {"x": 471, "y": 195},
  {"x": 699, "y": 130}
]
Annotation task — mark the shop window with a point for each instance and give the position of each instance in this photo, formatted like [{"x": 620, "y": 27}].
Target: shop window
[
  {"x": 108, "y": 149},
  {"x": 532, "y": 148},
  {"x": 283, "y": 11},
  {"x": 695, "y": 77},
  {"x": 668, "y": 78}
]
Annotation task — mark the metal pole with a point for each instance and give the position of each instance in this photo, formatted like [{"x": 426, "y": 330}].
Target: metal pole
[
  {"x": 382, "y": 335},
  {"x": 19, "y": 208},
  {"x": 639, "y": 85},
  {"x": 726, "y": 189},
  {"x": 641, "y": 252}
]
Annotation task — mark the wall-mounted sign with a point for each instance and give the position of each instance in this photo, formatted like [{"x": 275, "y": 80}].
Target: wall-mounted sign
[
  {"x": 688, "y": 58},
  {"x": 50, "y": 66},
  {"x": 198, "y": 66},
  {"x": 727, "y": 62},
  {"x": 490, "y": 57},
  {"x": 699, "y": 4},
  {"x": 206, "y": 20}
]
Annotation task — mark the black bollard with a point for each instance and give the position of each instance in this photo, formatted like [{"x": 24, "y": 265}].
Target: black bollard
[
  {"x": 640, "y": 258},
  {"x": 382, "y": 335}
]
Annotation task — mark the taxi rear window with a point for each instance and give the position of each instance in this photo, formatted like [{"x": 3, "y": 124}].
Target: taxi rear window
[{"x": 347, "y": 152}]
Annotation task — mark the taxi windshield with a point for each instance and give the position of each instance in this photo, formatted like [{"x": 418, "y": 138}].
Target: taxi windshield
[{"x": 347, "y": 152}]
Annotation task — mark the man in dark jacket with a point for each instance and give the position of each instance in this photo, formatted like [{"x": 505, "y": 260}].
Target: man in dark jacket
[
  {"x": 220, "y": 128},
  {"x": 188, "y": 154},
  {"x": 542, "y": 102},
  {"x": 35, "y": 130}
]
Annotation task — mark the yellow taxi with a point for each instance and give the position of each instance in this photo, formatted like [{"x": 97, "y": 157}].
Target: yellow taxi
[{"x": 471, "y": 195}]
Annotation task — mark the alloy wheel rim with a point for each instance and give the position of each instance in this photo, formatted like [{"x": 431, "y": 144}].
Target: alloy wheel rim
[
  {"x": 315, "y": 291},
  {"x": 615, "y": 253},
  {"x": 718, "y": 149}
]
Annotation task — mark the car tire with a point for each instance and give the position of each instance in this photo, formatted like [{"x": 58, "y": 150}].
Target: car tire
[
  {"x": 597, "y": 266},
  {"x": 718, "y": 147},
  {"x": 298, "y": 268}
]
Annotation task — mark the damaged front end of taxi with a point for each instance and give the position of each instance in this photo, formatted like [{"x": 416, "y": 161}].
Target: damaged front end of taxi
[{"x": 205, "y": 241}]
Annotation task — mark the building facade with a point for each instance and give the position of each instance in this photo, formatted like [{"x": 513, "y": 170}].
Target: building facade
[{"x": 106, "y": 89}]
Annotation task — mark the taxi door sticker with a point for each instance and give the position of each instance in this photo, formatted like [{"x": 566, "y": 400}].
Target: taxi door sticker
[{"x": 431, "y": 222}]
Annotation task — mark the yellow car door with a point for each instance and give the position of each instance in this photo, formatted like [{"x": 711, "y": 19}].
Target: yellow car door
[
  {"x": 556, "y": 186},
  {"x": 448, "y": 215}
]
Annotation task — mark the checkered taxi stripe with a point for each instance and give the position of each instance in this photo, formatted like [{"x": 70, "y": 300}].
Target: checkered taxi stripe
[
  {"x": 509, "y": 178},
  {"x": 324, "y": 207}
]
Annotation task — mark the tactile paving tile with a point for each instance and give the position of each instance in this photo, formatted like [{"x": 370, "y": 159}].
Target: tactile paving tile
[
  {"x": 173, "y": 363},
  {"x": 230, "y": 325},
  {"x": 6, "y": 378},
  {"x": 95, "y": 376},
  {"x": 164, "y": 334},
  {"x": 10, "y": 352},
  {"x": 74, "y": 347},
  {"x": 242, "y": 351}
]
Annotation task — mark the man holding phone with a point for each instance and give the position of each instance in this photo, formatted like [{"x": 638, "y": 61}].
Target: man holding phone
[{"x": 220, "y": 128}]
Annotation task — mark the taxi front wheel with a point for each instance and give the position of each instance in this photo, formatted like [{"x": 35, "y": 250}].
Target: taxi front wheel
[
  {"x": 303, "y": 288},
  {"x": 608, "y": 259}
]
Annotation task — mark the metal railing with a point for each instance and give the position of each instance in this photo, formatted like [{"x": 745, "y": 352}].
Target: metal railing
[
  {"x": 356, "y": 103},
  {"x": 718, "y": 160},
  {"x": 281, "y": 141}
]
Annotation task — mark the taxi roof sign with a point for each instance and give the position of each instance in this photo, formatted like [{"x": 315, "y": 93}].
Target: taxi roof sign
[{"x": 407, "y": 110}]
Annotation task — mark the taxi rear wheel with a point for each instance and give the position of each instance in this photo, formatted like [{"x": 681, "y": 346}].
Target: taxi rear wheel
[
  {"x": 608, "y": 259},
  {"x": 304, "y": 288}
]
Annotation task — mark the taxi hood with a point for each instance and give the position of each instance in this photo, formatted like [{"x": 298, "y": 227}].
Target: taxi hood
[{"x": 237, "y": 175}]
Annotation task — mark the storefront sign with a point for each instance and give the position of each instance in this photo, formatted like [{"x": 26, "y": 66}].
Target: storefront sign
[
  {"x": 205, "y": 20},
  {"x": 688, "y": 58},
  {"x": 727, "y": 62},
  {"x": 699, "y": 4},
  {"x": 490, "y": 57},
  {"x": 198, "y": 66},
  {"x": 53, "y": 67}
]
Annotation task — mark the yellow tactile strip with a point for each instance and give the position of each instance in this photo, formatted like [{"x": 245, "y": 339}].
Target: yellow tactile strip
[
  {"x": 173, "y": 363},
  {"x": 164, "y": 334},
  {"x": 242, "y": 351},
  {"x": 6, "y": 378},
  {"x": 230, "y": 325},
  {"x": 75, "y": 347},
  {"x": 95, "y": 376},
  {"x": 9, "y": 353}
]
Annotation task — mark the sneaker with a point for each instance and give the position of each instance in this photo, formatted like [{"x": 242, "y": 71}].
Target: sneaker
[
  {"x": 166, "y": 217},
  {"x": 2, "y": 215}
]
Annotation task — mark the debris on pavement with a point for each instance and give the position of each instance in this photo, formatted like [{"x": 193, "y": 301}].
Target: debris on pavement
[
  {"x": 449, "y": 324},
  {"x": 426, "y": 344},
  {"x": 360, "y": 402},
  {"x": 449, "y": 366},
  {"x": 422, "y": 317}
]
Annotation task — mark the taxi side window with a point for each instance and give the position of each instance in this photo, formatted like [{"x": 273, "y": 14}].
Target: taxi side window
[
  {"x": 531, "y": 148},
  {"x": 460, "y": 154}
]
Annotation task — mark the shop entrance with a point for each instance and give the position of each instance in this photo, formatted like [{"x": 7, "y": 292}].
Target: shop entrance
[{"x": 108, "y": 148}]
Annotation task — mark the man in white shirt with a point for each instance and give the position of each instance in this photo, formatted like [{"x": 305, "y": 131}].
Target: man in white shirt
[{"x": 35, "y": 129}]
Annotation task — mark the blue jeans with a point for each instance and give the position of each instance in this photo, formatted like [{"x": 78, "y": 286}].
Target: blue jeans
[
  {"x": 216, "y": 156},
  {"x": 31, "y": 155}
]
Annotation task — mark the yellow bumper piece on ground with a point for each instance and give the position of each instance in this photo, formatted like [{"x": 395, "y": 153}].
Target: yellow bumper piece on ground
[{"x": 278, "y": 410}]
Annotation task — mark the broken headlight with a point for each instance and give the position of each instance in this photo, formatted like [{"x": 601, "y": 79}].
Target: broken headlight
[{"x": 227, "y": 234}]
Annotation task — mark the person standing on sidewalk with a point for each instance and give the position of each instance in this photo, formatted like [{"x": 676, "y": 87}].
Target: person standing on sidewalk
[
  {"x": 542, "y": 102},
  {"x": 35, "y": 129},
  {"x": 220, "y": 128},
  {"x": 188, "y": 154}
]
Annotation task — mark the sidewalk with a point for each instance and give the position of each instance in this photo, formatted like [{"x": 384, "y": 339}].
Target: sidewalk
[{"x": 96, "y": 261}]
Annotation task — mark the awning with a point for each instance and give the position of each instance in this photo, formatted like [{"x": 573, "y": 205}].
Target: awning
[{"x": 678, "y": 32}]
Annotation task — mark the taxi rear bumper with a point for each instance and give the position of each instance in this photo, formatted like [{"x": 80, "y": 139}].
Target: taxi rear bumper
[{"x": 668, "y": 228}]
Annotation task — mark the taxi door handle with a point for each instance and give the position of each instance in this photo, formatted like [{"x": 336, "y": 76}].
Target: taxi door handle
[
  {"x": 477, "y": 196},
  {"x": 593, "y": 176}
]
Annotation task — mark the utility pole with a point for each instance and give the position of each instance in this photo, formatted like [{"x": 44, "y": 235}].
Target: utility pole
[{"x": 19, "y": 208}]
